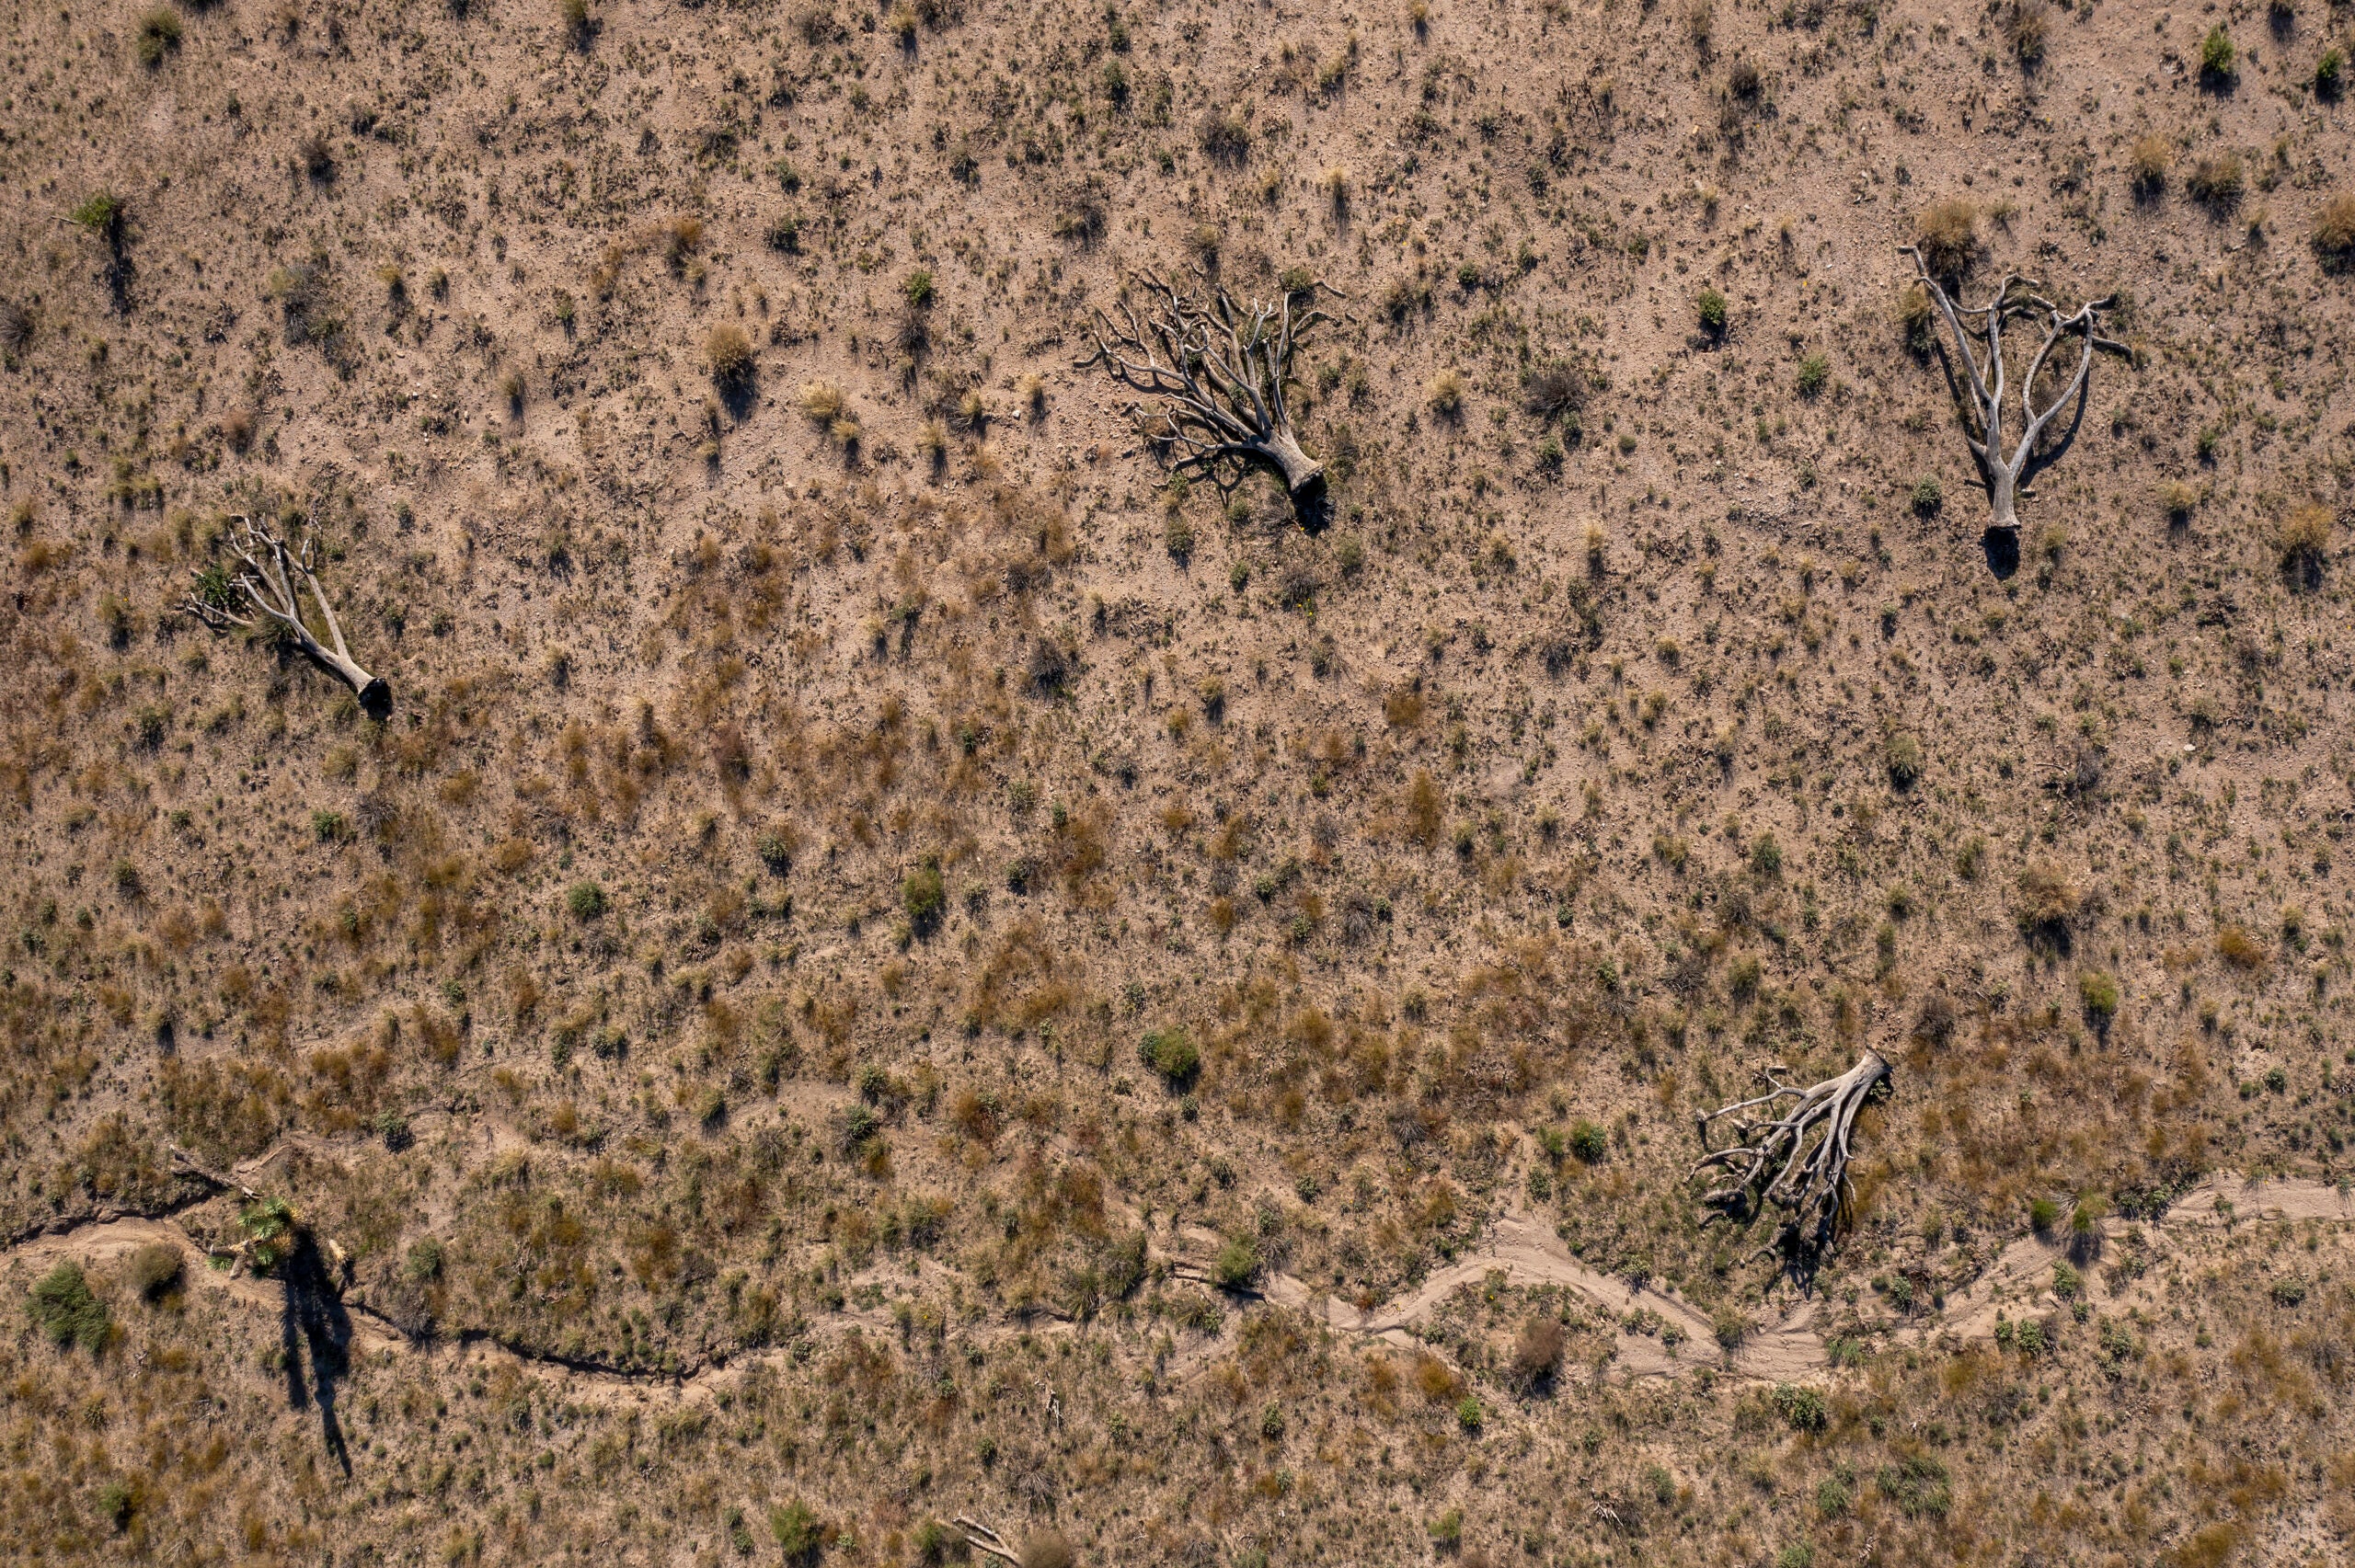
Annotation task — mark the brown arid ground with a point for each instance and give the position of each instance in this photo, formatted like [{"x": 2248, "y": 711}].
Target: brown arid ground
[{"x": 891, "y": 962}]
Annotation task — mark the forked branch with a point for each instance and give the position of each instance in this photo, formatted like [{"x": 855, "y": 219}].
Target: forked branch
[
  {"x": 981, "y": 1537},
  {"x": 1980, "y": 391},
  {"x": 1214, "y": 374},
  {"x": 1792, "y": 1151},
  {"x": 265, "y": 591}
]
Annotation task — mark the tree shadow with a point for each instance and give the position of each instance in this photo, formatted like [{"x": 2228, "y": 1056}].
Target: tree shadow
[
  {"x": 314, "y": 1317},
  {"x": 1314, "y": 506},
  {"x": 2002, "y": 547}
]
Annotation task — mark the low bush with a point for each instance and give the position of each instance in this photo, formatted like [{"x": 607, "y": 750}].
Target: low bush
[
  {"x": 1169, "y": 1053},
  {"x": 66, "y": 1310}
]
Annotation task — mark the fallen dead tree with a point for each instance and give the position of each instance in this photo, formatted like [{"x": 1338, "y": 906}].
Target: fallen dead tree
[
  {"x": 1216, "y": 372},
  {"x": 266, "y": 588},
  {"x": 1792, "y": 1154},
  {"x": 1980, "y": 393}
]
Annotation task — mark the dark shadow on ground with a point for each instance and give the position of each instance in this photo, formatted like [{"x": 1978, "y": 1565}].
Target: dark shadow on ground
[
  {"x": 314, "y": 1320},
  {"x": 2002, "y": 547}
]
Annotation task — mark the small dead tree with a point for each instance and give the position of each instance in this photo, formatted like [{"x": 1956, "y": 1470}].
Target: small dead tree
[
  {"x": 1978, "y": 332},
  {"x": 1216, "y": 373},
  {"x": 1047, "y": 1550},
  {"x": 1797, "y": 1160},
  {"x": 266, "y": 588}
]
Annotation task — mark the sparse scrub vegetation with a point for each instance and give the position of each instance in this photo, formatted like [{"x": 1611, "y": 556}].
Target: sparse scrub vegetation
[{"x": 902, "y": 960}]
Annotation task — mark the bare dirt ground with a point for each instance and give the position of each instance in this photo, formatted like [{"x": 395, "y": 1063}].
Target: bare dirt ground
[{"x": 865, "y": 888}]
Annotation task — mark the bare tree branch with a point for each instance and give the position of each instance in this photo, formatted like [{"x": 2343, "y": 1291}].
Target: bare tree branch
[
  {"x": 1216, "y": 373},
  {"x": 981, "y": 1537},
  {"x": 1775, "y": 1163},
  {"x": 1978, "y": 333},
  {"x": 267, "y": 588}
]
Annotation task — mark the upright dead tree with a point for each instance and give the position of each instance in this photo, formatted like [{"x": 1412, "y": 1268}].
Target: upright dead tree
[
  {"x": 1978, "y": 332},
  {"x": 1217, "y": 375},
  {"x": 266, "y": 588},
  {"x": 1793, "y": 1154}
]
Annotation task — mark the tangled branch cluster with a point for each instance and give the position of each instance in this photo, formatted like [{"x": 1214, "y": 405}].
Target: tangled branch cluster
[
  {"x": 1218, "y": 372},
  {"x": 1797, "y": 1161}
]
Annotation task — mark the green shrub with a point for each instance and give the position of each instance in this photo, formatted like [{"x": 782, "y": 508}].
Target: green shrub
[
  {"x": 1447, "y": 1530},
  {"x": 924, "y": 897},
  {"x": 2043, "y": 1214},
  {"x": 2067, "y": 1283},
  {"x": 1237, "y": 1264},
  {"x": 103, "y": 215},
  {"x": 586, "y": 900},
  {"x": 66, "y": 1311},
  {"x": 1928, "y": 497},
  {"x": 1801, "y": 1408},
  {"x": 1766, "y": 856},
  {"x": 1916, "y": 1486},
  {"x": 1711, "y": 309},
  {"x": 1469, "y": 1413},
  {"x": 1815, "y": 371},
  {"x": 2098, "y": 991},
  {"x": 797, "y": 1531},
  {"x": 2086, "y": 1219},
  {"x": 1588, "y": 1141},
  {"x": 269, "y": 1227},
  {"x": 1799, "y": 1554},
  {"x": 2219, "y": 60},
  {"x": 1832, "y": 1497},
  {"x": 1169, "y": 1053},
  {"x": 2330, "y": 73},
  {"x": 918, "y": 286},
  {"x": 115, "y": 1502},
  {"x": 1271, "y": 1422}
]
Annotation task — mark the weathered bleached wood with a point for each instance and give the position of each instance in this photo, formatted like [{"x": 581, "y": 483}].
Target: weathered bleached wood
[
  {"x": 1981, "y": 390},
  {"x": 1217, "y": 372},
  {"x": 267, "y": 584},
  {"x": 1777, "y": 1163}
]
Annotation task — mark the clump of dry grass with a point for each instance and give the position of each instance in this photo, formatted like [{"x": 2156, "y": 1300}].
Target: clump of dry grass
[
  {"x": 2334, "y": 233},
  {"x": 2302, "y": 536},
  {"x": 730, "y": 354},
  {"x": 2217, "y": 180},
  {"x": 1947, "y": 233},
  {"x": 2239, "y": 948},
  {"x": 2148, "y": 162},
  {"x": 823, "y": 400},
  {"x": 2028, "y": 29}
]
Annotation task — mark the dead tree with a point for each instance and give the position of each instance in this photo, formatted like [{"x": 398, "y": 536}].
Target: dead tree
[
  {"x": 1216, "y": 373},
  {"x": 266, "y": 588},
  {"x": 981, "y": 1537},
  {"x": 1046, "y": 1550},
  {"x": 1979, "y": 339},
  {"x": 1797, "y": 1161}
]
